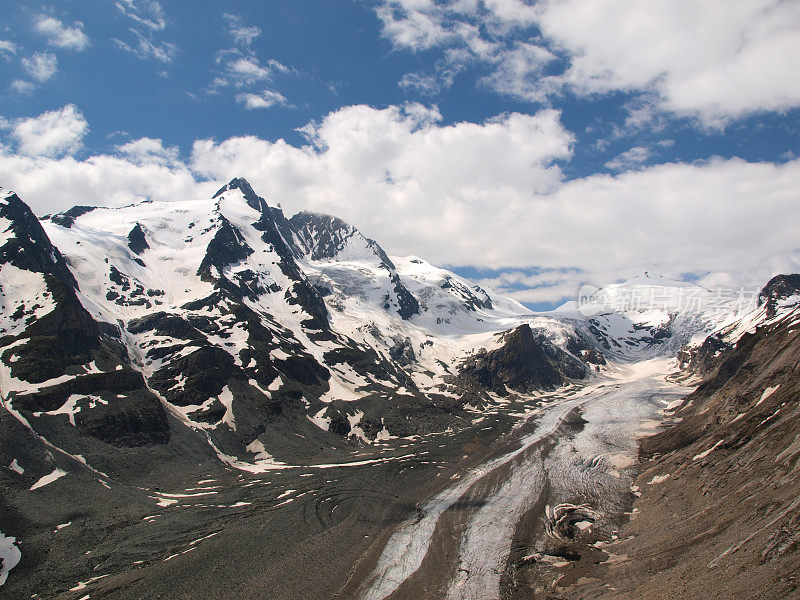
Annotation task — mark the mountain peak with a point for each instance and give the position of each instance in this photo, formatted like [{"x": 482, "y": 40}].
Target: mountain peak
[
  {"x": 240, "y": 183},
  {"x": 326, "y": 237},
  {"x": 24, "y": 243},
  {"x": 5, "y": 194},
  {"x": 780, "y": 288},
  {"x": 649, "y": 278}
]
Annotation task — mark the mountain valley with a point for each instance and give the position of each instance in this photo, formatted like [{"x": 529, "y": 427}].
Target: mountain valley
[{"x": 203, "y": 398}]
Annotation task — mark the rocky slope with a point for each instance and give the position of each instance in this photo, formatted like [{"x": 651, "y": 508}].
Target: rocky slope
[{"x": 718, "y": 514}]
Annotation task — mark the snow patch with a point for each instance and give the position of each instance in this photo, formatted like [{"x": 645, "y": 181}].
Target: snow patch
[
  {"x": 767, "y": 393},
  {"x": 658, "y": 479},
  {"x": 10, "y": 554},
  {"x": 707, "y": 452},
  {"x": 319, "y": 420},
  {"x": 48, "y": 479}
]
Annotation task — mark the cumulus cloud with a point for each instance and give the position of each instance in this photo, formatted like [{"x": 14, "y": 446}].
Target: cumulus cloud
[
  {"x": 401, "y": 176},
  {"x": 53, "y": 133},
  {"x": 263, "y": 99},
  {"x": 630, "y": 158},
  {"x": 60, "y": 35},
  {"x": 41, "y": 65},
  {"x": 52, "y": 185},
  {"x": 490, "y": 195},
  {"x": 712, "y": 61},
  {"x": 148, "y": 150}
]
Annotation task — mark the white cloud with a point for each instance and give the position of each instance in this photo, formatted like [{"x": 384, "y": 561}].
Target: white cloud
[
  {"x": 57, "y": 34},
  {"x": 263, "y": 99},
  {"x": 487, "y": 194},
  {"x": 243, "y": 70},
  {"x": 490, "y": 195},
  {"x": 549, "y": 286},
  {"x": 52, "y": 133},
  {"x": 414, "y": 25},
  {"x": 20, "y": 86},
  {"x": 149, "y": 13},
  {"x": 241, "y": 33},
  {"x": 425, "y": 84},
  {"x": 630, "y": 158},
  {"x": 7, "y": 47},
  {"x": 148, "y": 21},
  {"x": 239, "y": 67},
  {"x": 51, "y": 185},
  {"x": 41, "y": 66},
  {"x": 148, "y": 150},
  {"x": 246, "y": 70},
  {"x": 517, "y": 71},
  {"x": 403, "y": 178},
  {"x": 713, "y": 60},
  {"x": 145, "y": 48}
]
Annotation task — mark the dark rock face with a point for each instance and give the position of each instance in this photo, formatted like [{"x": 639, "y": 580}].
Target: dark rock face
[
  {"x": 165, "y": 324},
  {"x": 583, "y": 349},
  {"x": 321, "y": 236},
  {"x": 778, "y": 288},
  {"x": 204, "y": 374},
  {"x": 30, "y": 248},
  {"x": 706, "y": 358},
  {"x": 67, "y": 339},
  {"x": 137, "y": 241},
  {"x": 524, "y": 363},
  {"x": 54, "y": 396},
  {"x": 403, "y": 351},
  {"x": 408, "y": 304},
  {"x": 137, "y": 420},
  {"x": 228, "y": 247},
  {"x": 339, "y": 424},
  {"x": 67, "y": 218},
  {"x": 277, "y": 231}
]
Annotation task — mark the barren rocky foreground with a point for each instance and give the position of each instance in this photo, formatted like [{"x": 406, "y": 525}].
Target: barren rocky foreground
[
  {"x": 563, "y": 477},
  {"x": 468, "y": 515}
]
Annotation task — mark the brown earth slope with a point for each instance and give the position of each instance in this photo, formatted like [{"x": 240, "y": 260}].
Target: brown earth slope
[{"x": 719, "y": 512}]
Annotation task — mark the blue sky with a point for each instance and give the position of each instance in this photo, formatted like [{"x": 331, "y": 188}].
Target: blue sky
[{"x": 534, "y": 146}]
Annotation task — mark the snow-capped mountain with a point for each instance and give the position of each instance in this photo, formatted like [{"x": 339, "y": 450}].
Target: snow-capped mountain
[
  {"x": 268, "y": 338},
  {"x": 778, "y": 304},
  {"x": 650, "y": 315}
]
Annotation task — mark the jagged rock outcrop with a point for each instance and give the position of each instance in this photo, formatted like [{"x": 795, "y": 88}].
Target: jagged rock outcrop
[
  {"x": 779, "y": 288},
  {"x": 523, "y": 363}
]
